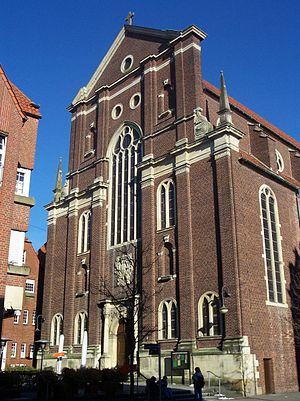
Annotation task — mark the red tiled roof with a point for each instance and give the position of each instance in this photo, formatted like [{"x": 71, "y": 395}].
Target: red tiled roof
[
  {"x": 22, "y": 102},
  {"x": 253, "y": 115},
  {"x": 27, "y": 105},
  {"x": 252, "y": 159},
  {"x": 9, "y": 88}
]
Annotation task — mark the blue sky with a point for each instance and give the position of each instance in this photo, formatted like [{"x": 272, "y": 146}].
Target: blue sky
[{"x": 51, "y": 48}]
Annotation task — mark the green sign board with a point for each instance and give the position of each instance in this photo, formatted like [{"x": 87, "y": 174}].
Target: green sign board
[{"x": 180, "y": 360}]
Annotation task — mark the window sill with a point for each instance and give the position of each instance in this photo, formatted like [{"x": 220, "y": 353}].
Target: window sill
[
  {"x": 209, "y": 338},
  {"x": 277, "y": 304},
  {"x": 24, "y": 200},
  {"x": 29, "y": 294},
  {"x": 83, "y": 253},
  {"x": 166, "y": 278},
  {"x": 89, "y": 153},
  {"x": 19, "y": 270},
  {"x": 161, "y": 230}
]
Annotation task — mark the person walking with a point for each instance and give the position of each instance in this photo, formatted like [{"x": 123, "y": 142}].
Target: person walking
[{"x": 198, "y": 381}]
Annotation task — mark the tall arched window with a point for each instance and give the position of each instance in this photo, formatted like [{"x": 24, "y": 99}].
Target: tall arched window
[
  {"x": 84, "y": 232},
  {"x": 209, "y": 315},
  {"x": 167, "y": 320},
  {"x": 165, "y": 205},
  {"x": 272, "y": 246},
  {"x": 56, "y": 329},
  {"x": 80, "y": 326},
  {"x": 126, "y": 154}
]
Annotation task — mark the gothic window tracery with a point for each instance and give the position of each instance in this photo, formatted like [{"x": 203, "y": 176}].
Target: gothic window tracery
[
  {"x": 84, "y": 232},
  {"x": 126, "y": 154},
  {"x": 167, "y": 320},
  {"x": 80, "y": 326},
  {"x": 209, "y": 315},
  {"x": 272, "y": 246},
  {"x": 166, "y": 205},
  {"x": 56, "y": 328}
]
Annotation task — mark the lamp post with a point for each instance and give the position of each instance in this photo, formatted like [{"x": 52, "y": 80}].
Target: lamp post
[
  {"x": 3, "y": 342},
  {"x": 42, "y": 345}
]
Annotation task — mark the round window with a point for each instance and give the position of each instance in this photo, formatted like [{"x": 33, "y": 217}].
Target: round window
[
  {"x": 117, "y": 111},
  {"x": 127, "y": 63},
  {"x": 135, "y": 100}
]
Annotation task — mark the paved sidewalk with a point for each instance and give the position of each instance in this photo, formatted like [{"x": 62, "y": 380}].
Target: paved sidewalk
[{"x": 271, "y": 397}]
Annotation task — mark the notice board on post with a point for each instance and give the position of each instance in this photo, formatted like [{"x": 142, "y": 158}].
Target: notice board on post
[{"x": 180, "y": 360}]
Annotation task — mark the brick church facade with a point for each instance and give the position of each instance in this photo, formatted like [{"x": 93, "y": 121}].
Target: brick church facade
[{"x": 207, "y": 191}]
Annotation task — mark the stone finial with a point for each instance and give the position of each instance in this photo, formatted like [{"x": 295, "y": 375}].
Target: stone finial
[
  {"x": 224, "y": 108},
  {"x": 58, "y": 184},
  {"x": 201, "y": 125}
]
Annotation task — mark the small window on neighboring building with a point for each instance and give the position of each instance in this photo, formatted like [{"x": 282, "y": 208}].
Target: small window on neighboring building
[
  {"x": 165, "y": 205},
  {"x": 2, "y": 155},
  {"x": 13, "y": 353},
  {"x": 16, "y": 318},
  {"x": 25, "y": 316},
  {"x": 16, "y": 247},
  {"x": 84, "y": 232},
  {"x": 22, "y": 182},
  {"x": 23, "y": 351},
  {"x": 167, "y": 320},
  {"x": 29, "y": 286},
  {"x": 80, "y": 327},
  {"x": 33, "y": 318},
  {"x": 127, "y": 63},
  {"x": 31, "y": 351},
  {"x": 279, "y": 161}
]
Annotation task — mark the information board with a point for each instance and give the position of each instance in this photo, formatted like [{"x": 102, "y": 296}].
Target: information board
[{"x": 180, "y": 360}]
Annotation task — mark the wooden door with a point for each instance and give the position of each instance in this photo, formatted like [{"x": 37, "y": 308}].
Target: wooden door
[{"x": 269, "y": 376}]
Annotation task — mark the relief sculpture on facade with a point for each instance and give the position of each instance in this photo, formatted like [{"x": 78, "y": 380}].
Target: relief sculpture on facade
[{"x": 123, "y": 270}]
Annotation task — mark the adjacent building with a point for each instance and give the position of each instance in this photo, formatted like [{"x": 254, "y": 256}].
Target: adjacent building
[
  {"x": 19, "y": 118},
  {"x": 178, "y": 189}
]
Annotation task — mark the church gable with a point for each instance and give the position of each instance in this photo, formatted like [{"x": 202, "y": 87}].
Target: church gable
[{"x": 132, "y": 45}]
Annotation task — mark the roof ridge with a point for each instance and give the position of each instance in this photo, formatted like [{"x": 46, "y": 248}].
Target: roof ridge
[
  {"x": 253, "y": 115},
  {"x": 11, "y": 91}
]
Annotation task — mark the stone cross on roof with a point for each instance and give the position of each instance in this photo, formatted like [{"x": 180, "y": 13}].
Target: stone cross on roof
[{"x": 129, "y": 18}]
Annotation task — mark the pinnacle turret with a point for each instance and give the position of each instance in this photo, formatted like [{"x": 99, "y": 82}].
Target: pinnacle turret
[
  {"x": 58, "y": 184},
  {"x": 224, "y": 108}
]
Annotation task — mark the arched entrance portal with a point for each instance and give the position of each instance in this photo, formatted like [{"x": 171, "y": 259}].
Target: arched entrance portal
[{"x": 122, "y": 349}]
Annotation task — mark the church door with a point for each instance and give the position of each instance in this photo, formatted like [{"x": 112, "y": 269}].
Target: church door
[{"x": 122, "y": 354}]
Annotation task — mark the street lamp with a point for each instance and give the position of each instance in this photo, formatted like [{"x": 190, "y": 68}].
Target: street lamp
[
  {"x": 42, "y": 345},
  {"x": 3, "y": 342},
  {"x": 223, "y": 310},
  {"x": 38, "y": 323},
  {"x": 224, "y": 294}
]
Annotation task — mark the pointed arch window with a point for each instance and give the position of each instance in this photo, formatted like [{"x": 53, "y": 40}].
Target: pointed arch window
[
  {"x": 84, "y": 232},
  {"x": 80, "y": 327},
  {"x": 56, "y": 329},
  {"x": 166, "y": 205},
  {"x": 167, "y": 320},
  {"x": 272, "y": 246},
  {"x": 209, "y": 315},
  {"x": 126, "y": 154}
]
